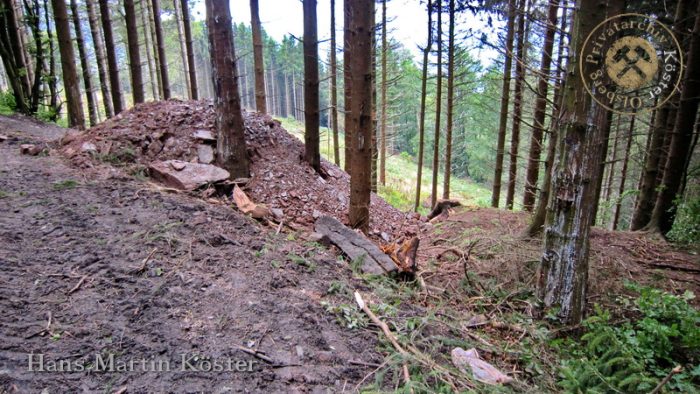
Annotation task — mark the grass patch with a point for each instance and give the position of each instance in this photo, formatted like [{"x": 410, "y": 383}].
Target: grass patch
[
  {"x": 399, "y": 190},
  {"x": 65, "y": 185}
]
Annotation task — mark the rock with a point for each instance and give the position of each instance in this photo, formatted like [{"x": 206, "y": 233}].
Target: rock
[
  {"x": 318, "y": 238},
  {"x": 155, "y": 147},
  {"x": 70, "y": 137},
  {"x": 88, "y": 147},
  {"x": 277, "y": 213},
  {"x": 204, "y": 135},
  {"x": 30, "y": 149},
  {"x": 356, "y": 246},
  {"x": 3, "y": 138},
  {"x": 186, "y": 176},
  {"x": 205, "y": 154}
]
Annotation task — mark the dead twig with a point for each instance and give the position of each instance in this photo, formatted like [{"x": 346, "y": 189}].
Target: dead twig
[
  {"x": 258, "y": 354},
  {"x": 77, "y": 286},
  {"x": 387, "y": 333},
  {"x": 665, "y": 380},
  {"x": 142, "y": 267}
]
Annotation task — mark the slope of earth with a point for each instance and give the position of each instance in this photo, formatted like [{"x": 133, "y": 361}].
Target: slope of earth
[
  {"x": 279, "y": 177},
  {"x": 97, "y": 264}
]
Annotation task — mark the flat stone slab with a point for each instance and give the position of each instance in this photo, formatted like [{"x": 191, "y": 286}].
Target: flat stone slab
[
  {"x": 205, "y": 154},
  {"x": 204, "y": 135},
  {"x": 186, "y": 176},
  {"x": 355, "y": 246}
]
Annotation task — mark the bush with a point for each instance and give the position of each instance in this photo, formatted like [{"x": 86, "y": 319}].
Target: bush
[
  {"x": 634, "y": 356},
  {"x": 686, "y": 228},
  {"x": 7, "y": 102}
]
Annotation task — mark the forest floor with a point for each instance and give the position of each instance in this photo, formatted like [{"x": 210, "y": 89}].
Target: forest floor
[{"x": 98, "y": 260}]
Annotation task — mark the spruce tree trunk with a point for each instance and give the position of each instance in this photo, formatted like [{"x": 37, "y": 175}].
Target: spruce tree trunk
[
  {"x": 421, "y": 116},
  {"x": 231, "y": 151},
  {"x": 52, "y": 78},
  {"x": 84, "y": 65},
  {"x": 438, "y": 107},
  {"x": 538, "y": 218},
  {"x": 359, "y": 33},
  {"x": 288, "y": 97},
  {"x": 623, "y": 176},
  {"x": 517, "y": 108},
  {"x": 71, "y": 84},
  {"x": 260, "y": 105},
  {"x": 311, "y": 101},
  {"x": 347, "y": 94},
  {"x": 148, "y": 46},
  {"x": 450, "y": 101},
  {"x": 375, "y": 124},
  {"x": 115, "y": 89},
  {"x": 97, "y": 42},
  {"x": 194, "y": 91},
  {"x": 334, "y": 89},
  {"x": 505, "y": 99},
  {"x": 533, "y": 167},
  {"x": 154, "y": 49},
  {"x": 563, "y": 272},
  {"x": 160, "y": 42},
  {"x": 382, "y": 136},
  {"x": 663, "y": 215},
  {"x": 132, "y": 36},
  {"x": 183, "y": 50},
  {"x": 13, "y": 60}
]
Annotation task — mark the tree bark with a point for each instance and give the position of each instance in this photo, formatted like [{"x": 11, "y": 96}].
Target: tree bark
[
  {"x": 438, "y": 107},
  {"x": 517, "y": 108},
  {"x": 183, "y": 50},
  {"x": 347, "y": 94},
  {"x": 84, "y": 65},
  {"x": 194, "y": 91},
  {"x": 154, "y": 49},
  {"x": 382, "y": 136},
  {"x": 115, "y": 89},
  {"x": 230, "y": 145},
  {"x": 311, "y": 101},
  {"x": 13, "y": 60},
  {"x": 563, "y": 272},
  {"x": 421, "y": 116},
  {"x": 359, "y": 33},
  {"x": 334, "y": 89},
  {"x": 533, "y": 168},
  {"x": 132, "y": 35},
  {"x": 663, "y": 215},
  {"x": 71, "y": 84},
  {"x": 450, "y": 102},
  {"x": 97, "y": 42},
  {"x": 148, "y": 46},
  {"x": 505, "y": 99},
  {"x": 260, "y": 105},
  {"x": 161, "y": 49},
  {"x": 538, "y": 218},
  {"x": 623, "y": 176}
]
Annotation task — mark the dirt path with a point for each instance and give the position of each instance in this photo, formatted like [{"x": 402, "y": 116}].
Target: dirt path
[{"x": 73, "y": 287}]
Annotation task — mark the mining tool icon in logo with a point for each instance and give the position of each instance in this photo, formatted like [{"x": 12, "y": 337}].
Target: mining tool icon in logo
[{"x": 631, "y": 63}]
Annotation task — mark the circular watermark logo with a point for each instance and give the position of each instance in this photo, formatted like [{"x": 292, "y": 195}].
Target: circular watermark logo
[{"x": 631, "y": 63}]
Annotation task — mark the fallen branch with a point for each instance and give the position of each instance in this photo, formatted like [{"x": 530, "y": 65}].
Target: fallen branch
[
  {"x": 76, "y": 287},
  {"x": 387, "y": 333},
  {"x": 142, "y": 267},
  {"x": 665, "y": 380},
  {"x": 261, "y": 356}
]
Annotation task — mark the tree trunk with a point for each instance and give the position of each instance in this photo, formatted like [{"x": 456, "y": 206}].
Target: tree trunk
[
  {"x": 347, "y": 85},
  {"x": 160, "y": 42},
  {"x": 154, "y": 49},
  {"x": 563, "y": 271},
  {"x": 311, "y": 102},
  {"x": 538, "y": 218},
  {"x": 334, "y": 89},
  {"x": 117, "y": 103},
  {"x": 132, "y": 35},
  {"x": 194, "y": 92},
  {"x": 359, "y": 34},
  {"x": 148, "y": 46},
  {"x": 76, "y": 118},
  {"x": 97, "y": 42},
  {"x": 183, "y": 50},
  {"x": 533, "y": 168},
  {"x": 288, "y": 97},
  {"x": 52, "y": 78},
  {"x": 438, "y": 107},
  {"x": 13, "y": 60},
  {"x": 606, "y": 125},
  {"x": 33, "y": 20},
  {"x": 623, "y": 176},
  {"x": 421, "y": 116},
  {"x": 230, "y": 145},
  {"x": 382, "y": 136},
  {"x": 517, "y": 108},
  {"x": 92, "y": 106},
  {"x": 505, "y": 99},
  {"x": 450, "y": 101},
  {"x": 258, "y": 58},
  {"x": 375, "y": 124},
  {"x": 663, "y": 214}
]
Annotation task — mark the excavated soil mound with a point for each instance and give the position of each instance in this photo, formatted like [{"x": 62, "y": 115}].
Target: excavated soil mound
[{"x": 280, "y": 179}]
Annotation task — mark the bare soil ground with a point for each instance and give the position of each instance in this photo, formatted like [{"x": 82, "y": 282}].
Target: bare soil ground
[{"x": 74, "y": 285}]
